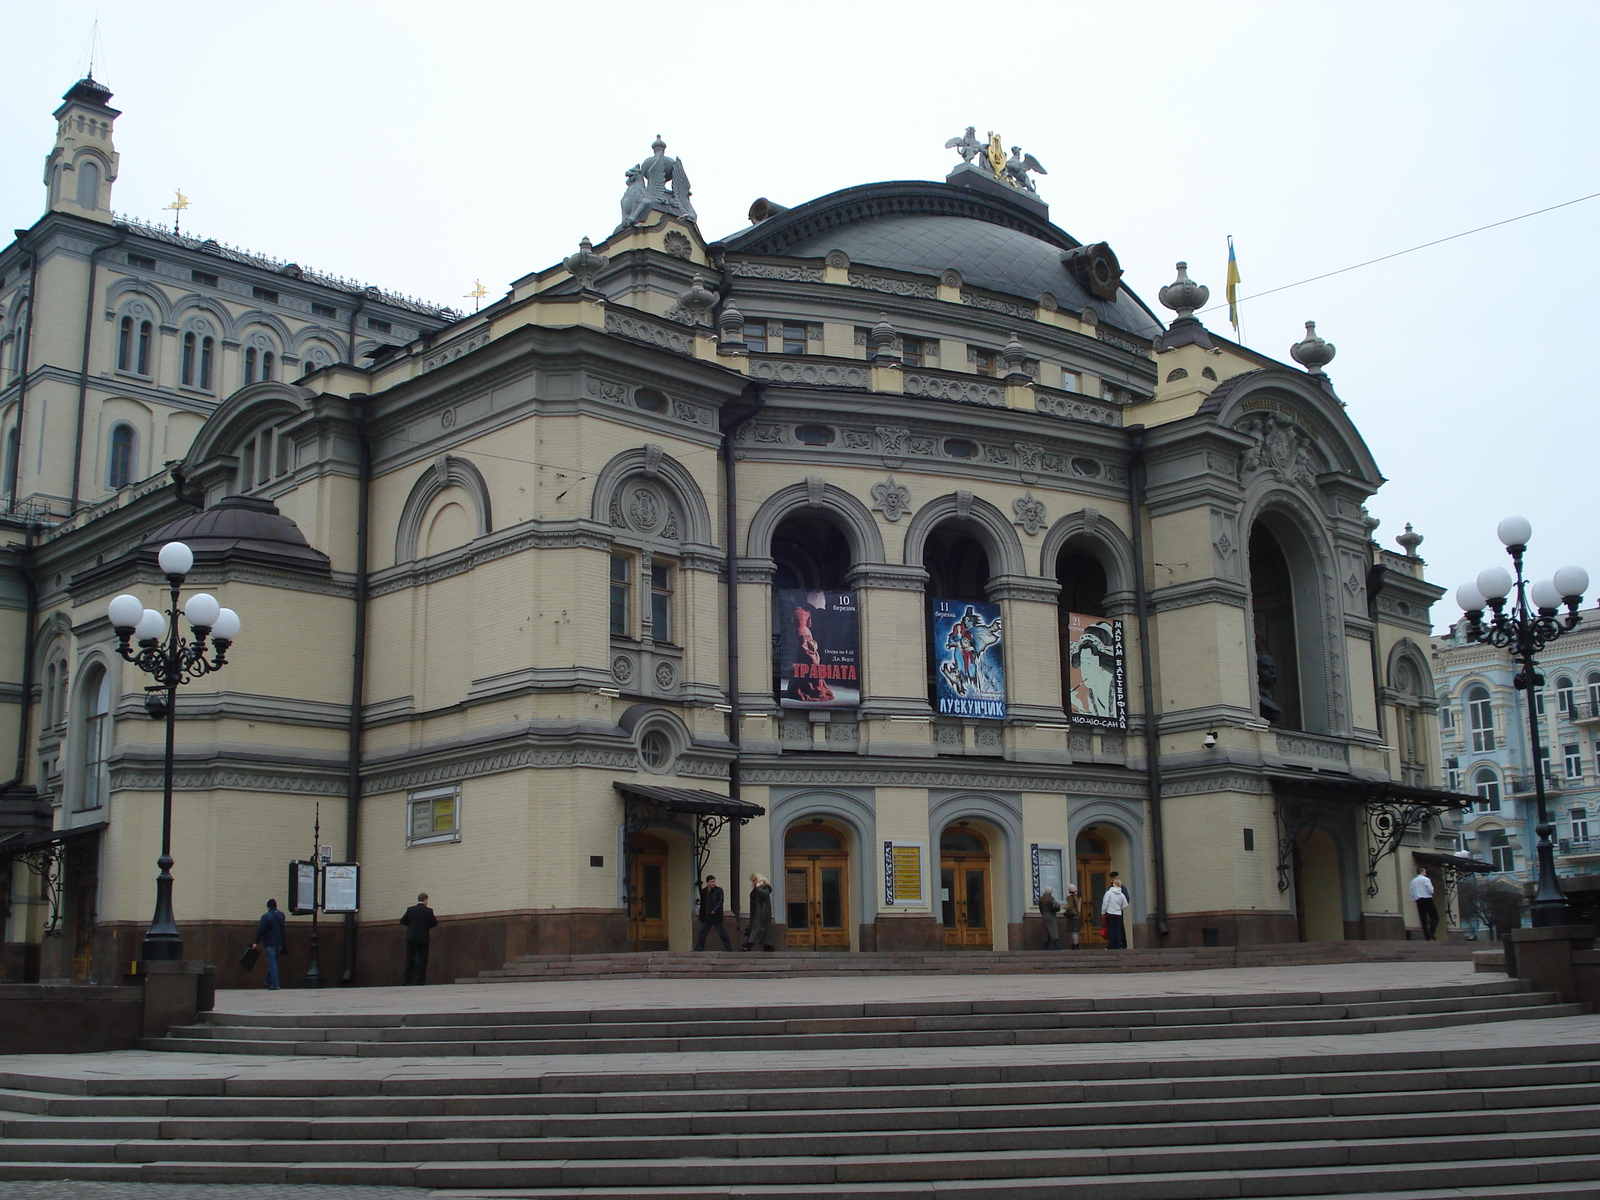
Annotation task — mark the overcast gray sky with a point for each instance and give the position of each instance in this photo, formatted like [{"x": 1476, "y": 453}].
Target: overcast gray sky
[{"x": 420, "y": 146}]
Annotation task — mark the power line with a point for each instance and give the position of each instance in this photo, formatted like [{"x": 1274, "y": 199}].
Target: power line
[{"x": 1412, "y": 250}]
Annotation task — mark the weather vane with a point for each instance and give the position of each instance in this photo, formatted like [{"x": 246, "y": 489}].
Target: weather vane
[
  {"x": 477, "y": 293},
  {"x": 177, "y": 207}
]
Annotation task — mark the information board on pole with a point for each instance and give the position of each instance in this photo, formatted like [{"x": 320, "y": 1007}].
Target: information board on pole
[
  {"x": 302, "y": 887},
  {"x": 341, "y": 888}
]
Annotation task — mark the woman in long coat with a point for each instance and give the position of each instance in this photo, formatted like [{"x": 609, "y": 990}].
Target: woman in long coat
[
  {"x": 1048, "y": 908},
  {"x": 760, "y": 933}
]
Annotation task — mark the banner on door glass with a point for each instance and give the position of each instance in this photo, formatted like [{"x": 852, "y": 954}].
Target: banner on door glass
[
  {"x": 969, "y": 666},
  {"x": 1096, "y": 678},
  {"x": 818, "y": 650}
]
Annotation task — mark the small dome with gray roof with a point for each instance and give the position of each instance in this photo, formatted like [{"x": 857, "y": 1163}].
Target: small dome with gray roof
[{"x": 926, "y": 228}]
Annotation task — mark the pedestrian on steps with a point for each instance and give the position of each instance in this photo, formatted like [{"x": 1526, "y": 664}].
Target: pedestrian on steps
[
  {"x": 270, "y": 941},
  {"x": 1048, "y": 908},
  {"x": 1112, "y": 905},
  {"x": 418, "y": 920},
  {"x": 1427, "y": 911},
  {"x": 711, "y": 902},
  {"x": 1072, "y": 913},
  {"x": 760, "y": 931}
]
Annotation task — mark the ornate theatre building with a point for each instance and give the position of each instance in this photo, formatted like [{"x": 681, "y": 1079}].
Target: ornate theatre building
[{"x": 890, "y": 547}]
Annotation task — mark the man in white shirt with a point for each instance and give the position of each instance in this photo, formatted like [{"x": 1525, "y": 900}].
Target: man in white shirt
[
  {"x": 1112, "y": 905},
  {"x": 1422, "y": 893}
]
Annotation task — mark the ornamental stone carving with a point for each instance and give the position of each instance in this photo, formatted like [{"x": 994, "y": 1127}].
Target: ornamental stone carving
[
  {"x": 666, "y": 676},
  {"x": 1030, "y": 514},
  {"x": 1281, "y": 450},
  {"x": 892, "y": 499},
  {"x": 622, "y": 669}
]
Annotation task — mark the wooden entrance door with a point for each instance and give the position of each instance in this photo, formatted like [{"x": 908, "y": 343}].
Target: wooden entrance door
[
  {"x": 1094, "y": 873},
  {"x": 647, "y": 884},
  {"x": 964, "y": 889},
  {"x": 816, "y": 864}
]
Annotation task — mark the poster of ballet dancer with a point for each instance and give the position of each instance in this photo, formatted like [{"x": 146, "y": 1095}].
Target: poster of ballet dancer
[
  {"x": 1096, "y": 679},
  {"x": 818, "y": 649},
  {"x": 969, "y": 666}
]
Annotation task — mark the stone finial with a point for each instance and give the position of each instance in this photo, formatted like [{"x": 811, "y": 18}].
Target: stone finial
[
  {"x": 1183, "y": 295},
  {"x": 880, "y": 342},
  {"x": 1409, "y": 540},
  {"x": 1013, "y": 357},
  {"x": 730, "y": 330},
  {"x": 1313, "y": 353},
  {"x": 697, "y": 301},
  {"x": 585, "y": 264}
]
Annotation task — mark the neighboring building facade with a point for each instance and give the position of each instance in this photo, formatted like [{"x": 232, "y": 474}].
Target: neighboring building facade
[
  {"x": 1488, "y": 749},
  {"x": 1028, "y": 587}
]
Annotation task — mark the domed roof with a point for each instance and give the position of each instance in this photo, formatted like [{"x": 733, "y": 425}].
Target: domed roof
[
  {"x": 241, "y": 527},
  {"x": 925, "y": 228}
]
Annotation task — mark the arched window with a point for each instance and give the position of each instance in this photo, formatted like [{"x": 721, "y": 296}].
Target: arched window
[
  {"x": 1480, "y": 718},
  {"x": 95, "y": 743},
  {"x": 190, "y": 355},
  {"x": 208, "y": 348},
  {"x": 1501, "y": 854},
  {"x": 142, "y": 361},
  {"x": 1593, "y": 682},
  {"x": 1564, "y": 696},
  {"x": 13, "y": 453},
  {"x": 134, "y": 342},
  {"x": 125, "y": 345},
  {"x": 120, "y": 455},
  {"x": 88, "y": 185},
  {"x": 1085, "y": 654},
  {"x": 260, "y": 358},
  {"x": 1273, "y": 614},
  {"x": 1487, "y": 784}
]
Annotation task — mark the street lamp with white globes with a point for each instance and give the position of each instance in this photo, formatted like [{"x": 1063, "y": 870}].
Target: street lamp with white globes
[
  {"x": 170, "y": 660},
  {"x": 1525, "y": 626}
]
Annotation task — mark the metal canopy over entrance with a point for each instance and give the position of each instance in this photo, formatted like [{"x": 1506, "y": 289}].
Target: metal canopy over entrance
[
  {"x": 1451, "y": 868},
  {"x": 645, "y": 805},
  {"x": 1392, "y": 811}
]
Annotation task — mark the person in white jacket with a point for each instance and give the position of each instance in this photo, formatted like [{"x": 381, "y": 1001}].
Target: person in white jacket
[{"x": 1112, "y": 905}]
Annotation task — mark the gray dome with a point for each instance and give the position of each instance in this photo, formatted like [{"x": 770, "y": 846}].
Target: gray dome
[
  {"x": 924, "y": 228},
  {"x": 240, "y": 527}
]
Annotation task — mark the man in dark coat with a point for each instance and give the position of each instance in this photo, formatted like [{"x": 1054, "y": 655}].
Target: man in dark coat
[
  {"x": 711, "y": 901},
  {"x": 270, "y": 940},
  {"x": 418, "y": 920}
]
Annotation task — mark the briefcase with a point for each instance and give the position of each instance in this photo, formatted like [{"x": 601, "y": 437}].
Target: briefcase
[{"x": 247, "y": 960}]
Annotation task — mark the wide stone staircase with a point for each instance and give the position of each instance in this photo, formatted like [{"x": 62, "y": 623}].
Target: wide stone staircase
[
  {"x": 679, "y": 964},
  {"x": 993, "y": 1100},
  {"x": 865, "y": 1026}
]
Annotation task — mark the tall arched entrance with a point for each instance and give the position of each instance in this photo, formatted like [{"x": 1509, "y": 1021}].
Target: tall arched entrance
[
  {"x": 816, "y": 871},
  {"x": 1094, "y": 871},
  {"x": 647, "y": 892},
  {"x": 1318, "y": 897},
  {"x": 964, "y": 888}
]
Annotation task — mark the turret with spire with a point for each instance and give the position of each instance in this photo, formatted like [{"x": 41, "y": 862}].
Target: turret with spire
[{"x": 83, "y": 163}]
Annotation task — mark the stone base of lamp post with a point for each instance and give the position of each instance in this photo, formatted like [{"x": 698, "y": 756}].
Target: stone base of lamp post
[
  {"x": 1555, "y": 959},
  {"x": 174, "y": 992}
]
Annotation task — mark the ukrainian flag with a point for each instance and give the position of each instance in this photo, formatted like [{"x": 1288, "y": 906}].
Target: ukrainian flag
[{"x": 1233, "y": 288}]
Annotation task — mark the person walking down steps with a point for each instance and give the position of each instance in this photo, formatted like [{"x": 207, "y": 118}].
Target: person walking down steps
[
  {"x": 711, "y": 901},
  {"x": 760, "y": 931},
  {"x": 1048, "y": 908},
  {"x": 418, "y": 920}
]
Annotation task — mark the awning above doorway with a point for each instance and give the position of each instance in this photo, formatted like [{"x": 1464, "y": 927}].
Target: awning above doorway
[
  {"x": 19, "y": 843},
  {"x": 691, "y": 800},
  {"x": 1392, "y": 811},
  {"x": 1458, "y": 863}
]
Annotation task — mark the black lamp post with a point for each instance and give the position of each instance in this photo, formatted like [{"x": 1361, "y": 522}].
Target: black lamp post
[
  {"x": 1530, "y": 622},
  {"x": 170, "y": 660}
]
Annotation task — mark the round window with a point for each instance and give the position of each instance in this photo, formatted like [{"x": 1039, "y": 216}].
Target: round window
[{"x": 655, "y": 750}]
